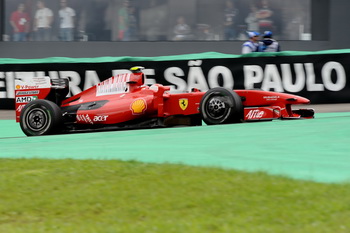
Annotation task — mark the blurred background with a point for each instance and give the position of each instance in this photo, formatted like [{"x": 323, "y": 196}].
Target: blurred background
[
  {"x": 155, "y": 20},
  {"x": 218, "y": 25}
]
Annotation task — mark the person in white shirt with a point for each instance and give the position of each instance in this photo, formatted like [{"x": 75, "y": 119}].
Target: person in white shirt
[
  {"x": 251, "y": 19},
  {"x": 182, "y": 30},
  {"x": 42, "y": 23},
  {"x": 67, "y": 16},
  {"x": 252, "y": 45}
]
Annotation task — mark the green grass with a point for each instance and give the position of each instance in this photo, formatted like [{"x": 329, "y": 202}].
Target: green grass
[{"x": 91, "y": 196}]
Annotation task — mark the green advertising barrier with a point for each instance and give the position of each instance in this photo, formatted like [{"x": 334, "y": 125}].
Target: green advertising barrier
[{"x": 197, "y": 56}]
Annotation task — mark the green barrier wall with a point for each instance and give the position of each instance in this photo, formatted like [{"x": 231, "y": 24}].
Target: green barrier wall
[{"x": 207, "y": 55}]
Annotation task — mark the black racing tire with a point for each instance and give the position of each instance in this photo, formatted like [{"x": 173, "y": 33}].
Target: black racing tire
[
  {"x": 221, "y": 106},
  {"x": 41, "y": 117}
]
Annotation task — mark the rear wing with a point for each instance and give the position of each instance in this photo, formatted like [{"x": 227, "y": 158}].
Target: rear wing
[{"x": 29, "y": 89}]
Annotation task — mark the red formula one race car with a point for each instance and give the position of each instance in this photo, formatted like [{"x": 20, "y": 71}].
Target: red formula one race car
[{"x": 124, "y": 102}]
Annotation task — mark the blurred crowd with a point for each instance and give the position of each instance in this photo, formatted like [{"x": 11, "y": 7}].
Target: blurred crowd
[{"x": 153, "y": 20}]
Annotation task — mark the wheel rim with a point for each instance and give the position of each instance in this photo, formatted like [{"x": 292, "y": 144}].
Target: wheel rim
[
  {"x": 37, "y": 119},
  {"x": 216, "y": 107}
]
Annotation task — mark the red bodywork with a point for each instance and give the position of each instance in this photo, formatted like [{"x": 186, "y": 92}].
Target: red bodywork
[{"x": 125, "y": 98}]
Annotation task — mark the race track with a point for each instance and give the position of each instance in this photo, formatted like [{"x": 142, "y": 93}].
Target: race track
[{"x": 316, "y": 149}]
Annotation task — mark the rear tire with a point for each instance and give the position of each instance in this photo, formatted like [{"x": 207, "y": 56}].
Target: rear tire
[
  {"x": 221, "y": 106},
  {"x": 41, "y": 117}
]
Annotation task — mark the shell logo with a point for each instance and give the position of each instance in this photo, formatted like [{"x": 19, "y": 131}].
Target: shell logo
[
  {"x": 138, "y": 107},
  {"x": 18, "y": 87}
]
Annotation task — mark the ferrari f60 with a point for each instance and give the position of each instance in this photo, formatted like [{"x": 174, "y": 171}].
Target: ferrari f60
[{"x": 124, "y": 102}]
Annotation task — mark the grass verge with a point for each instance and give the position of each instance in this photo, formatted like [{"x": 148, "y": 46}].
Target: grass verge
[{"x": 111, "y": 196}]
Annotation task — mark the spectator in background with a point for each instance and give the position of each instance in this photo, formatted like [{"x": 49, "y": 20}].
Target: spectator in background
[
  {"x": 265, "y": 17},
  {"x": 230, "y": 20},
  {"x": 43, "y": 22},
  {"x": 153, "y": 21},
  {"x": 93, "y": 20},
  {"x": 182, "y": 30},
  {"x": 204, "y": 32},
  {"x": 252, "y": 45},
  {"x": 20, "y": 23},
  {"x": 251, "y": 19},
  {"x": 123, "y": 21},
  {"x": 268, "y": 44},
  {"x": 67, "y": 17},
  {"x": 132, "y": 30}
]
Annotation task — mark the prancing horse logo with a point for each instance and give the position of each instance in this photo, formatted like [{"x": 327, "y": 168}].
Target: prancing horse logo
[{"x": 183, "y": 103}]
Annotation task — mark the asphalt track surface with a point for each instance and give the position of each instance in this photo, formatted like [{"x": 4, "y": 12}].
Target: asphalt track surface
[{"x": 316, "y": 149}]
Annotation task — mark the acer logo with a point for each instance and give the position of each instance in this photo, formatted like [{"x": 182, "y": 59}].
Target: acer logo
[
  {"x": 255, "y": 114},
  {"x": 100, "y": 118}
]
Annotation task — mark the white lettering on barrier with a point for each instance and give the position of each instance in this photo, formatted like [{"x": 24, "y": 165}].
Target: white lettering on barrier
[
  {"x": 196, "y": 78},
  {"x": 327, "y": 70},
  {"x": 91, "y": 79},
  {"x": 173, "y": 75},
  {"x": 253, "y": 74},
  {"x": 311, "y": 84},
  {"x": 287, "y": 81},
  {"x": 225, "y": 73},
  {"x": 74, "y": 81},
  {"x": 271, "y": 79},
  {"x": 2, "y": 86},
  {"x": 285, "y": 77}
]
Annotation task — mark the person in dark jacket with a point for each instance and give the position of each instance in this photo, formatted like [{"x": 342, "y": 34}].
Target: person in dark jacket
[{"x": 268, "y": 44}]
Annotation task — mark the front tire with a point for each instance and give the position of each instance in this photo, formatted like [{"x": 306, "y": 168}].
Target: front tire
[
  {"x": 41, "y": 117},
  {"x": 221, "y": 106}
]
